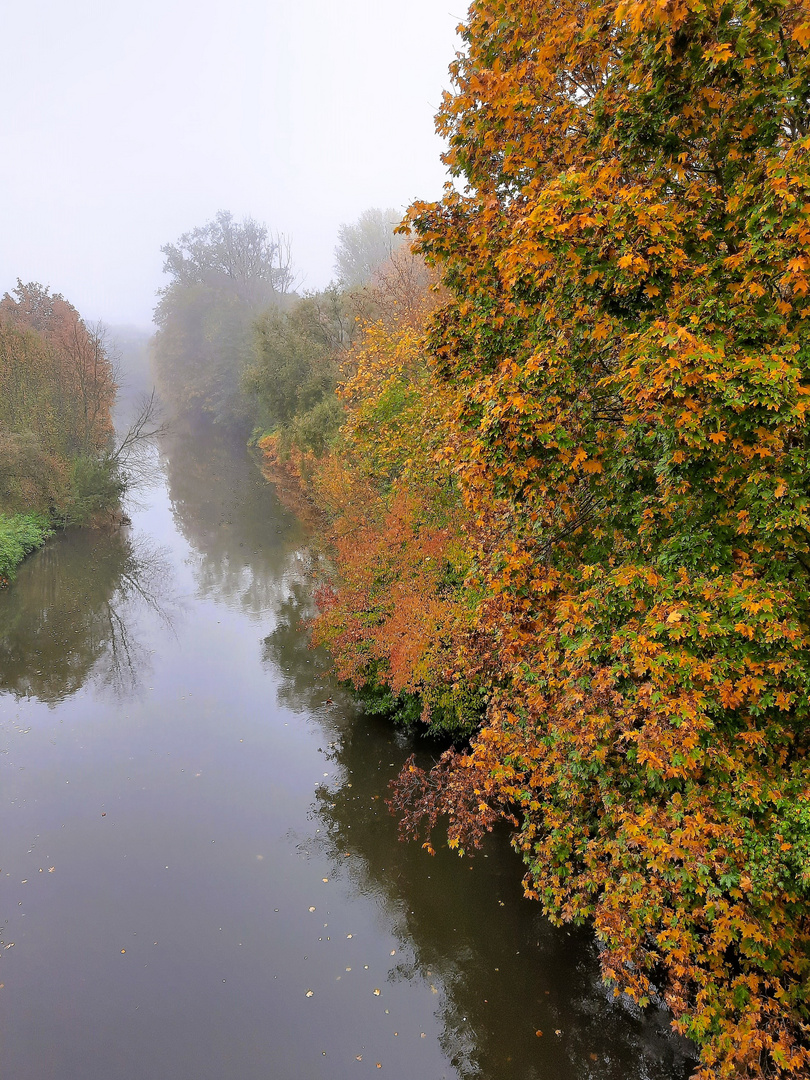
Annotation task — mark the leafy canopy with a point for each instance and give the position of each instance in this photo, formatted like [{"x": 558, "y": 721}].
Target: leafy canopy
[{"x": 626, "y": 348}]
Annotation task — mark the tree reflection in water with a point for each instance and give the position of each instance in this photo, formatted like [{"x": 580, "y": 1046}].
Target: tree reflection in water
[
  {"x": 72, "y": 614},
  {"x": 230, "y": 516},
  {"x": 502, "y": 972}
]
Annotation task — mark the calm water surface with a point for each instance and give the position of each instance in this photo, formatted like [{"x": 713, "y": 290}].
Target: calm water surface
[{"x": 199, "y": 878}]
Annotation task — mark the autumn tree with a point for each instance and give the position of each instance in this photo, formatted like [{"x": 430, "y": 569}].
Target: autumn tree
[
  {"x": 627, "y": 252},
  {"x": 78, "y": 368},
  {"x": 57, "y": 389},
  {"x": 395, "y": 616},
  {"x": 34, "y": 455}
]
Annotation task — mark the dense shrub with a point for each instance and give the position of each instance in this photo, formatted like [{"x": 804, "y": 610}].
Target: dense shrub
[{"x": 20, "y": 534}]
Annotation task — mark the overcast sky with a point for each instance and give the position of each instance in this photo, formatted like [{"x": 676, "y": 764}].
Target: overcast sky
[{"x": 126, "y": 124}]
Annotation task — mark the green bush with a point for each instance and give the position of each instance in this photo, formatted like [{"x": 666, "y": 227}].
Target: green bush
[
  {"x": 20, "y": 534},
  {"x": 96, "y": 485},
  {"x": 316, "y": 429}
]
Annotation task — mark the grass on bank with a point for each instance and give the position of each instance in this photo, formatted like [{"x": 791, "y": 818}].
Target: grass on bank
[{"x": 20, "y": 534}]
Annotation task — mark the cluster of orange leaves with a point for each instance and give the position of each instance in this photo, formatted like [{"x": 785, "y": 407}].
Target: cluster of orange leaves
[{"x": 397, "y": 528}]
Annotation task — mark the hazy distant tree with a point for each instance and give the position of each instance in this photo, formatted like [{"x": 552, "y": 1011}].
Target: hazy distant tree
[
  {"x": 223, "y": 276},
  {"x": 243, "y": 258},
  {"x": 365, "y": 246},
  {"x": 130, "y": 354}
]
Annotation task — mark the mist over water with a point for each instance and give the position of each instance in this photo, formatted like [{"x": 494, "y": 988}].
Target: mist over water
[{"x": 134, "y": 130}]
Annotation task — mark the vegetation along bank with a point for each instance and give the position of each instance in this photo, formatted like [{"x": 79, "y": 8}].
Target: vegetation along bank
[{"x": 61, "y": 463}]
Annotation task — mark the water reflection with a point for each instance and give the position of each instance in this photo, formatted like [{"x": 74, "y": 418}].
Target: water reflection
[
  {"x": 501, "y": 972},
  {"x": 304, "y": 684},
  {"x": 72, "y": 614},
  {"x": 227, "y": 513},
  {"x": 207, "y": 915}
]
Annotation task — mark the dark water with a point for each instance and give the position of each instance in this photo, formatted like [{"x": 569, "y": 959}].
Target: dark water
[{"x": 199, "y": 878}]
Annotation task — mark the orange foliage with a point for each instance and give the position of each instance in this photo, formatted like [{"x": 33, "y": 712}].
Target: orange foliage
[
  {"x": 63, "y": 371},
  {"x": 399, "y": 616},
  {"x": 626, "y": 372},
  {"x": 57, "y": 389}
]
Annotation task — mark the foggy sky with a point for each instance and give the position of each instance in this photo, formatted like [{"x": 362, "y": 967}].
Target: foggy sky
[{"x": 125, "y": 125}]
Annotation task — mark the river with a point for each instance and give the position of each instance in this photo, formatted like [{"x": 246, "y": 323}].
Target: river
[{"x": 199, "y": 879}]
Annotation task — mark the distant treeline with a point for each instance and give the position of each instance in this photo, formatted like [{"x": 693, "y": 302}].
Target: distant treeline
[{"x": 238, "y": 345}]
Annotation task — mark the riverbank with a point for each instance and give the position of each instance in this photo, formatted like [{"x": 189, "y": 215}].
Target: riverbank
[
  {"x": 20, "y": 534},
  {"x": 24, "y": 533}
]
